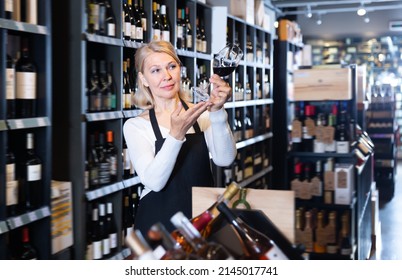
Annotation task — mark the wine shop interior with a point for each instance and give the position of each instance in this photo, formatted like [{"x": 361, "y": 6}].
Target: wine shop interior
[{"x": 315, "y": 112}]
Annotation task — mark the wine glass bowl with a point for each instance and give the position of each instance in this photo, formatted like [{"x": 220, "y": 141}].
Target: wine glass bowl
[{"x": 223, "y": 64}]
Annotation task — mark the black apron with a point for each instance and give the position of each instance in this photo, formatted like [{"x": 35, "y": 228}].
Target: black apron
[{"x": 192, "y": 168}]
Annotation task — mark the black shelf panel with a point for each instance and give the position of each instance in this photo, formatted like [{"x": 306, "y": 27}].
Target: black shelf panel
[{"x": 24, "y": 27}]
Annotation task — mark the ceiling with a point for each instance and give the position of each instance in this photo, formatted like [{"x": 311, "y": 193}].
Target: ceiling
[{"x": 293, "y": 7}]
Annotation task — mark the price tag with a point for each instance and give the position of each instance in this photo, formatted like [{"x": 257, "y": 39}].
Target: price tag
[{"x": 19, "y": 123}]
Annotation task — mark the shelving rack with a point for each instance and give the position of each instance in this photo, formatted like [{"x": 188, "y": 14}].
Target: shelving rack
[
  {"x": 13, "y": 131},
  {"x": 74, "y": 123}
]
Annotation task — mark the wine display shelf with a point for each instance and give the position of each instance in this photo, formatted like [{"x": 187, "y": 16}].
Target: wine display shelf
[
  {"x": 13, "y": 130},
  {"x": 285, "y": 62},
  {"x": 71, "y": 103}
]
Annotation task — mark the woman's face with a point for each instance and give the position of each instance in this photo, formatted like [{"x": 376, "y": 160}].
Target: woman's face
[{"x": 162, "y": 75}]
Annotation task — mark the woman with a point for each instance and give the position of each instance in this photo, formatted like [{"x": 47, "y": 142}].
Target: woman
[{"x": 170, "y": 142}]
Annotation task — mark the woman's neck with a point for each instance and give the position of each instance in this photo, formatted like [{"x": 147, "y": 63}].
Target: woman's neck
[{"x": 166, "y": 105}]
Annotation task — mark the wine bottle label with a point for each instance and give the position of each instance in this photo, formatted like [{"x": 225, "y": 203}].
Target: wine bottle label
[
  {"x": 342, "y": 147},
  {"x": 276, "y": 254},
  {"x": 89, "y": 252},
  {"x": 113, "y": 240},
  {"x": 189, "y": 41},
  {"x": 165, "y": 35},
  {"x": 113, "y": 165},
  {"x": 32, "y": 12},
  {"x": 10, "y": 83},
  {"x": 316, "y": 187},
  {"x": 156, "y": 34},
  {"x": 25, "y": 85},
  {"x": 133, "y": 32},
  {"x": 126, "y": 159},
  {"x": 97, "y": 250},
  {"x": 10, "y": 172},
  {"x": 127, "y": 29},
  {"x": 139, "y": 33},
  {"x": 34, "y": 172},
  {"x": 111, "y": 30},
  {"x": 105, "y": 246},
  {"x": 8, "y": 5},
  {"x": 12, "y": 193},
  {"x": 159, "y": 252},
  {"x": 144, "y": 24},
  {"x": 319, "y": 146},
  {"x": 94, "y": 15}
]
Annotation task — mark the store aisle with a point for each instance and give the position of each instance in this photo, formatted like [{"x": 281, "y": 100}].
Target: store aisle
[{"x": 391, "y": 223}]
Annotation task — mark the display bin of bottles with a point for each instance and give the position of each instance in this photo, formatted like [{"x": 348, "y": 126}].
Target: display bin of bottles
[
  {"x": 25, "y": 130},
  {"x": 96, "y": 84}
]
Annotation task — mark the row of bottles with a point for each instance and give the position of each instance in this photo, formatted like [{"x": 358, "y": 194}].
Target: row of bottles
[
  {"x": 102, "y": 160},
  {"x": 101, "y": 87},
  {"x": 101, "y": 18},
  {"x": 249, "y": 124},
  {"x": 321, "y": 231},
  {"x": 318, "y": 129},
  {"x": 21, "y": 10},
  {"x": 190, "y": 240},
  {"x": 23, "y": 178},
  {"x": 21, "y": 83}
]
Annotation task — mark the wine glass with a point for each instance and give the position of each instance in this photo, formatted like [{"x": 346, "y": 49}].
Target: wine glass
[{"x": 224, "y": 63}]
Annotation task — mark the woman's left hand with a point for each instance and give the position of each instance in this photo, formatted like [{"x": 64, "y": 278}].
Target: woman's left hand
[{"x": 220, "y": 94}]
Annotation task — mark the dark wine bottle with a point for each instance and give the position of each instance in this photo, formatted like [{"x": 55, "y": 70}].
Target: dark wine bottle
[
  {"x": 95, "y": 94},
  {"x": 104, "y": 87},
  {"x": 96, "y": 236},
  {"x": 255, "y": 244},
  {"x": 127, "y": 22},
  {"x": 111, "y": 228},
  {"x": 144, "y": 21},
  {"x": 110, "y": 20},
  {"x": 104, "y": 165},
  {"x": 10, "y": 87},
  {"x": 103, "y": 230},
  {"x": 25, "y": 81},
  {"x": 165, "y": 28},
  {"x": 93, "y": 164},
  {"x": 28, "y": 252},
  {"x": 8, "y": 9},
  {"x": 30, "y": 177},
  {"x": 111, "y": 155}
]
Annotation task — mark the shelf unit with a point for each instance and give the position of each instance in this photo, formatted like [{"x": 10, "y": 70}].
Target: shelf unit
[
  {"x": 13, "y": 131},
  {"x": 74, "y": 123},
  {"x": 285, "y": 104},
  {"x": 383, "y": 130}
]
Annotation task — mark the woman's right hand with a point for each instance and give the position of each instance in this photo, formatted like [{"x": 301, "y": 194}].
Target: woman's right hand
[{"x": 180, "y": 122}]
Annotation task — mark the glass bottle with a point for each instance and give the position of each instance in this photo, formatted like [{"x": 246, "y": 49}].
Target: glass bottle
[
  {"x": 110, "y": 20},
  {"x": 28, "y": 252},
  {"x": 111, "y": 228},
  {"x": 11, "y": 184},
  {"x": 242, "y": 203},
  {"x": 106, "y": 94},
  {"x": 255, "y": 245},
  {"x": 165, "y": 28},
  {"x": 95, "y": 93},
  {"x": 345, "y": 246},
  {"x": 164, "y": 246},
  {"x": 111, "y": 155},
  {"x": 188, "y": 31},
  {"x": 139, "y": 246},
  {"x": 10, "y": 87},
  {"x": 204, "y": 249}
]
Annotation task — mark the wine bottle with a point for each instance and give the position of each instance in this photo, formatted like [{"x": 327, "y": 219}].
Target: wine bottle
[
  {"x": 110, "y": 20},
  {"x": 31, "y": 12},
  {"x": 111, "y": 228},
  {"x": 179, "y": 31},
  {"x": 133, "y": 30},
  {"x": 126, "y": 22},
  {"x": 111, "y": 155},
  {"x": 16, "y": 10},
  {"x": 345, "y": 246},
  {"x": 144, "y": 20},
  {"x": 95, "y": 93},
  {"x": 255, "y": 244},
  {"x": 188, "y": 31},
  {"x": 93, "y": 17},
  {"x": 138, "y": 245},
  {"x": 296, "y": 133},
  {"x": 96, "y": 236},
  {"x": 113, "y": 88},
  {"x": 165, "y": 28},
  {"x": 127, "y": 217},
  {"x": 204, "y": 221},
  {"x": 106, "y": 94},
  {"x": 103, "y": 230},
  {"x": 308, "y": 129},
  {"x": 93, "y": 164},
  {"x": 164, "y": 246},
  {"x": 30, "y": 179},
  {"x": 104, "y": 164},
  {"x": 316, "y": 183},
  {"x": 127, "y": 88},
  {"x": 28, "y": 252},
  {"x": 11, "y": 184},
  {"x": 102, "y": 18},
  {"x": 126, "y": 161},
  {"x": 139, "y": 32},
  {"x": 10, "y": 87},
  {"x": 320, "y": 238},
  {"x": 156, "y": 24},
  {"x": 204, "y": 249},
  {"x": 25, "y": 81},
  {"x": 8, "y": 9}
]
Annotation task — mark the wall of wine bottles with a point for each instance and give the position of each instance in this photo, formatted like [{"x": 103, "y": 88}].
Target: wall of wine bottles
[
  {"x": 95, "y": 83},
  {"x": 25, "y": 129}
]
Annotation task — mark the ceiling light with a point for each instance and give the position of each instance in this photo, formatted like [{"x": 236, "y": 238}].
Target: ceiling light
[
  {"x": 361, "y": 11},
  {"x": 319, "y": 21},
  {"x": 366, "y": 19},
  {"x": 309, "y": 14}
]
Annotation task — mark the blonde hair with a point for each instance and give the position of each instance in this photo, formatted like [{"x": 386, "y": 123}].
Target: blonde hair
[{"x": 143, "y": 97}]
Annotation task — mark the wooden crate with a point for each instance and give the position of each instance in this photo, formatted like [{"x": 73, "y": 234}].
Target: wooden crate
[{"x": 319, "y": 84}]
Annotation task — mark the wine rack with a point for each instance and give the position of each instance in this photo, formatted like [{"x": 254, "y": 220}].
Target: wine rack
[
  {"x": 13, "y": 130},
  {"x": 287, "y": 108},
  {"x": 76, "y": 123}
]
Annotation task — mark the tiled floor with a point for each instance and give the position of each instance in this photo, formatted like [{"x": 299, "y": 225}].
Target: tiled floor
[{"x": 390, "y": 218}]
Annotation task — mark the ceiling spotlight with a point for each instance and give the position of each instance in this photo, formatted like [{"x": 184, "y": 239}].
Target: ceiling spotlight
[
  {"x": 366, "y": 19},
  {"x": 309, "y": 14},
  {"x": 319, "y": 21},
  {"x": 361, "y": 11}
]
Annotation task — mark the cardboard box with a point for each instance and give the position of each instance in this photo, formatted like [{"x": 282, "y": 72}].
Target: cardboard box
[
  {"x": 344, "y": 183},
  {"x": 318, "y": 84},
  {"x": 62, "y": 216},
  {"x": 239, "y": 8},
  {"x": 259, "y": 13}
]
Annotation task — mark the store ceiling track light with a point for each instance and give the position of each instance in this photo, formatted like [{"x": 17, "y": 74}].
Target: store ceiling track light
[{"x": 342, "y": 6}]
